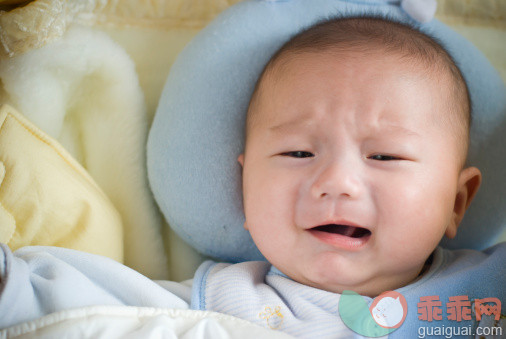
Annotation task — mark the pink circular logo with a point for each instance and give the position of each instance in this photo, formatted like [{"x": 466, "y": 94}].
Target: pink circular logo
[{"x": 389, "y": 309}]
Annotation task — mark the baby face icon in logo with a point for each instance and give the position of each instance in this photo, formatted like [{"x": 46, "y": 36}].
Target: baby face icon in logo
[
  {"x": 386, "y": 313},
  {"x": 389, "y": 309}
]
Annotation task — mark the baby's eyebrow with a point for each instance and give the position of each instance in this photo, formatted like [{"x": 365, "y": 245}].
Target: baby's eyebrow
[
  {"x": 289, "y": 125},
  {"x": 398, "y": 129},
  {"x": 307, "y": 122}
]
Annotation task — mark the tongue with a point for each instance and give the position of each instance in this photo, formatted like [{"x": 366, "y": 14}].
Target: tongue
[{"x": 348, "y": 231}]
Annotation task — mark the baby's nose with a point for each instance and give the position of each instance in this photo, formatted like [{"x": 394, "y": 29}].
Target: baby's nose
[{"x": 337, "y": 179}]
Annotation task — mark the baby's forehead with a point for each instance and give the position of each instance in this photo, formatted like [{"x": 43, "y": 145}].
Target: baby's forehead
[
  {"x": 285, "y": 62},
  {"x": 287, "y": 68},
  {"x": 370, "y": 38},
  {"x": 297, "y": 66},
  {"x": 367, "y": 36}
]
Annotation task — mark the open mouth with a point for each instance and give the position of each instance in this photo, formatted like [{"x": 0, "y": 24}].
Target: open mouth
[{"x": 346, "y": 230}]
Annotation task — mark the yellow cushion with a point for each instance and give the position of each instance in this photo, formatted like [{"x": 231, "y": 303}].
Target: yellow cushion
[{"x": 47, "y": 197}]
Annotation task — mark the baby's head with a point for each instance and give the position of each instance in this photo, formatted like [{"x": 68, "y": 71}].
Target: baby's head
[{"x": 354, "y": 165}]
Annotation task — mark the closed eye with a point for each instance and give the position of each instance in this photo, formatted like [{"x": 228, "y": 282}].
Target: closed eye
[
  {"x": 298, "y": 154},
  {"x": 383, "y": 157}
]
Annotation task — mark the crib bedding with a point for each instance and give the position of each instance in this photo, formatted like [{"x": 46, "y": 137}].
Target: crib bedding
[
  {"x": 47, "y": 197},
  {"x": 51, "y": 292},
  {"x": 82, "y": 90},
  {"x": 95, "y": 44},
  {"x": 38, "y": 280},
  {"x": 111, "y": 322}
]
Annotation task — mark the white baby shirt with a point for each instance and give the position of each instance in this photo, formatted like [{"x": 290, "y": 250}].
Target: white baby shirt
[
  {"x": 456, "y": 280},
  {"x": 258, "y": 292}
]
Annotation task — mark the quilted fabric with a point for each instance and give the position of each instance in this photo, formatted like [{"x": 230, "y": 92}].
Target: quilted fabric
[{"x": 47, "y": 198}]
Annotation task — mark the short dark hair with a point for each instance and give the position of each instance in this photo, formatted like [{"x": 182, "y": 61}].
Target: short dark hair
[{"x": 360, "y": 34}]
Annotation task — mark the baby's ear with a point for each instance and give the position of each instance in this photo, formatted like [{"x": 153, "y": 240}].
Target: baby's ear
[{"x": 468, "y": 184}]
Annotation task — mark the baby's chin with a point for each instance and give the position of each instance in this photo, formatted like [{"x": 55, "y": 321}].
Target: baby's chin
[{"x": 370, "y": 286}]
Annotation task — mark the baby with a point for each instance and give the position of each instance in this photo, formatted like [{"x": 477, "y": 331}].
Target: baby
[
  {"x": 357, "y": 136},
  {"x": 354, "y": 169}
]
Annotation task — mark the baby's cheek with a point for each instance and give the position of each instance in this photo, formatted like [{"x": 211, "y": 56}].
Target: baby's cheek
[
  {"x": 412, "y": 221},
  {"x": 266, "y": 202}
]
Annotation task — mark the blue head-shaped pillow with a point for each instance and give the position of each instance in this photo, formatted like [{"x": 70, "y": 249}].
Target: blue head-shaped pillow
[{"x": 198, "y": 130}]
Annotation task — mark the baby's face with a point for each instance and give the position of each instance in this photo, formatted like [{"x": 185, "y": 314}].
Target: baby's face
[{"x": 350, "y": 177}]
